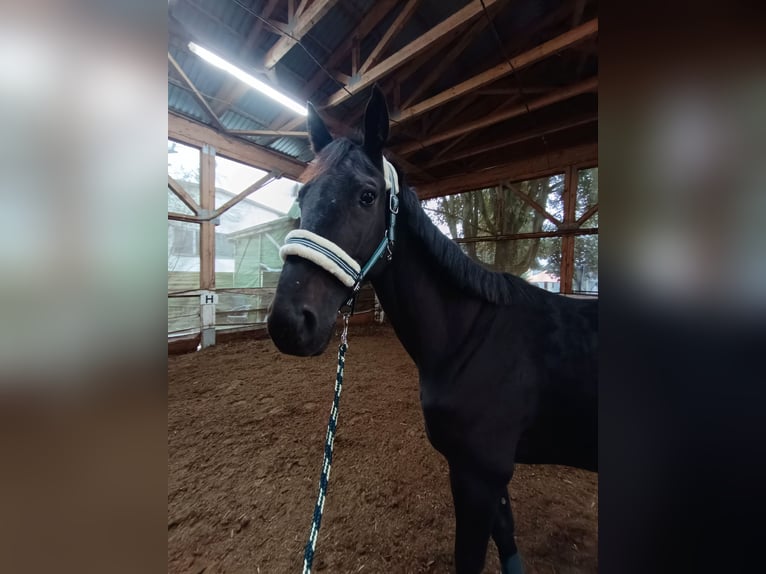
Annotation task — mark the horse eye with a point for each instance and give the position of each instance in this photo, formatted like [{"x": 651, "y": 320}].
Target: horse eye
[{"x": 367, "y": 198}]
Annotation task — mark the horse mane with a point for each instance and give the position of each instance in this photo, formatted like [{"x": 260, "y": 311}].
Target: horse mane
[{"x": 466, "y": 274}]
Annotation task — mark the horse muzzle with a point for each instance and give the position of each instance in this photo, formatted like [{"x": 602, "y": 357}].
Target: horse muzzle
[{"x": 304, "y": 310}]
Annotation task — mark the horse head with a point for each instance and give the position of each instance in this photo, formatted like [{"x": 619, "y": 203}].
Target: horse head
[{"x": 344, "y": 206}]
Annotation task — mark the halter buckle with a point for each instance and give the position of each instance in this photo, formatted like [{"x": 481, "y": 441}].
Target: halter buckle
[
  {"x": 389, "y": 250},
  {"x": 393, "y": 203}
]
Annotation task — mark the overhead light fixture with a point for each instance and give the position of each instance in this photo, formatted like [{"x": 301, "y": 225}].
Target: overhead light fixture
[{"x": 251, "y": 81}]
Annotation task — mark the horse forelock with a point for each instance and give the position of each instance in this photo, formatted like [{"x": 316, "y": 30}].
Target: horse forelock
[{"x": 339, "y": 157}]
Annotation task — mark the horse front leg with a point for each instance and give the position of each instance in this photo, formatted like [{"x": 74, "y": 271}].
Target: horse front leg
[
  {"x": 475, "y": 499},
  {"x": 503, "y": 535}
]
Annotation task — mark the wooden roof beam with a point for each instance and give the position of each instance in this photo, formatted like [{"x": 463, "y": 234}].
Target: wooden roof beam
[
  {"x": 286, "y": 121},
  {"x": 522, "y": 137},
  {"x": 298, "y": 29},
  {"x": 198, "y": 135},
  {"x": 521, "y": 61},
  {"x": 584, "y": 87},
  {"x": 448, "y": 27},
  {"x": 401, "y": 19},
  {"x": 445, "y": 61},
  {"x": 543, "y": 165}
]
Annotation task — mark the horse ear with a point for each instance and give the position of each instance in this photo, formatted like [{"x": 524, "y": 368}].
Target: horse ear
[
  {"x": 319, "y": 136},
  {"x": 375, "y": 123}
]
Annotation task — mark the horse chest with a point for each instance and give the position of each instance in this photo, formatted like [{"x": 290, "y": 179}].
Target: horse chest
[{"x": 463, "y": 419}]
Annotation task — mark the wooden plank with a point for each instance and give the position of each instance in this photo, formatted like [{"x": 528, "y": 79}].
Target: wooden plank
[
  {"x": 183, "y": 195},
  {"x": 265, "y": 180},
  {"x": 448, "y": 27},
  {"x": 520, "y": 170},
  {"x": 196, "y": 93},
  {"x": 196, "y": 134},
  {"x": 517, "y": 63},
  {"x": 396, "y": 26},
  {"x": 525, "y": 136},
  {"x": 303, "y": 23},
  {"x": 589, "y": 85},
  {"x": 530, "y": 235}
]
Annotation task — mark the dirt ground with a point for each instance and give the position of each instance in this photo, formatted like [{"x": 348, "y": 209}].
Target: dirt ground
[{"x": 246, "y": 429}]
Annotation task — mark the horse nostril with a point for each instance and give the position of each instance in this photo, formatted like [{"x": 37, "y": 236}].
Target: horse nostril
[{"x": 309, "y": 319}]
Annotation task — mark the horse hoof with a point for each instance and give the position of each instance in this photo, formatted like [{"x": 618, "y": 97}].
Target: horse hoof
[{"x": 512, "y": 565}]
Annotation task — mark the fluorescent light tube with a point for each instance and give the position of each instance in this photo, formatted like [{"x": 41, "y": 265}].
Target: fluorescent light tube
[{"x": 243, "y": 76}]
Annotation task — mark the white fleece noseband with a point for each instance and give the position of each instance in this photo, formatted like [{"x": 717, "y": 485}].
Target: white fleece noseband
[
  {"x": 323, "y": 252},
  {"x": 331, "y": 257}
]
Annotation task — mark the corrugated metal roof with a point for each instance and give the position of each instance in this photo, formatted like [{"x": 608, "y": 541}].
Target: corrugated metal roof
[{"x": 183, "y": 102}]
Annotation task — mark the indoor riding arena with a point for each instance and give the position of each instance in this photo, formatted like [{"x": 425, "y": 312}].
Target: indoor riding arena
[{"x": 493, "y": 123}]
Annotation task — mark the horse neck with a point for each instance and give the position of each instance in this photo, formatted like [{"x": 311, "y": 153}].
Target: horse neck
[{"x": 429, "y": 316}]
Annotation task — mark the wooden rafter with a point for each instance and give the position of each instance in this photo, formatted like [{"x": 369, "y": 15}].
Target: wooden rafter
[
  {"x": 197, "y": 95},
  {"x": 410, "y": 168},
  {"x": 302, "y": 7},
  {"x": 532, "y": 134},
  {"x": 183, "y": 195},
  {"x": 448, "y": 27},
  {"x": 521, "y": 61},
  {"x": 446, "y": 61},
  {"x": 370, "y": 20},
  {"x": 513, "y": 91},
  {"x": 396, "y": 26},
  {"x": 303, "y": 23},
  {"x": 589, "y": 85},
  {"x": 585, "y": 155}
]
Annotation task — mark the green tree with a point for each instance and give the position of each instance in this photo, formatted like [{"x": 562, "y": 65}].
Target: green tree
[{"x": 499, "y": 211}]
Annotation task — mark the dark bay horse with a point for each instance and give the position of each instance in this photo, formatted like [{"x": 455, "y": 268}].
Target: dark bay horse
[{"x": 508, "y": 372}]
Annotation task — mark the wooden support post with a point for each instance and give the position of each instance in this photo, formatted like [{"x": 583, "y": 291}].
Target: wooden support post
[
  {"x": 207, "y": 239},
  {"x": 567, "y": 242}
]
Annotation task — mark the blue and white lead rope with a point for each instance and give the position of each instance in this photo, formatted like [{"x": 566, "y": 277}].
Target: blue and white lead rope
[{"x": 308, "y": 554}]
